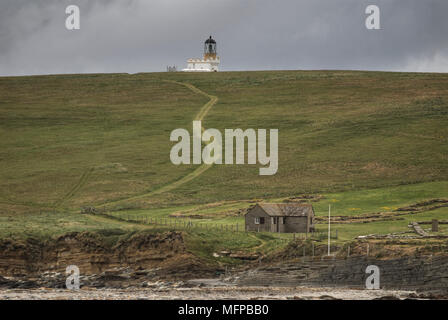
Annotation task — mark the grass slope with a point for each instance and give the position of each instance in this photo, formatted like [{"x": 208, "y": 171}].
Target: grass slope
[{"x": 367, "y": 141}]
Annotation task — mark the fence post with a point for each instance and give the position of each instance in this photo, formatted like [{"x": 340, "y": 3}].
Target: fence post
[
  {"x": 348, "y": 251},
  {"x": 368, "y": 248},
  {"x": 435, "y": 225}
]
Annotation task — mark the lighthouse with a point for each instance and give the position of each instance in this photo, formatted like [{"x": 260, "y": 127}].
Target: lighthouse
[{"x": 210, "y": 61}]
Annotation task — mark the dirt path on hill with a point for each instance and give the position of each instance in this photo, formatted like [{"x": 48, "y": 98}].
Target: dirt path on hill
[
  {"x": 82, "y": 181},
  {"x": 206, "y": 108},
  {"x": 262, "y": 241},
  {"x": 192, "y": 175},
  {"x": 173, "y": 185}
]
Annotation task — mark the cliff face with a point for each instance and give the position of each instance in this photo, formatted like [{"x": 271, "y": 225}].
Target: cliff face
[
  {"x": 164, "y": 256},
  {"x": 93, "y": 255},
  {"x": 426, "y": 274}
]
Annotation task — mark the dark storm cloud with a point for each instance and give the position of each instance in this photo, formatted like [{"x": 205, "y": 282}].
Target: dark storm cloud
[{"x": 146, "y": 35}]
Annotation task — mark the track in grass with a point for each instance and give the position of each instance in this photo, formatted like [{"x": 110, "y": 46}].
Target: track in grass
[
  {"x": 192, "y": 175},
  {"x": 82, "y": 181},
  {"x": 197, "y": 172}
]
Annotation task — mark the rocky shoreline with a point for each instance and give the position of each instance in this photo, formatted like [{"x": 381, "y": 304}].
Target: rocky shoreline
[
  {"x": 298, "y": 280},
  {"x": 178, "y": 291},
  {"x": 149, "y": 265}
]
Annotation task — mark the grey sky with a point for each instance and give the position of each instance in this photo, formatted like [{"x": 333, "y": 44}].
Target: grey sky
[{"x": 147, "y": 35}]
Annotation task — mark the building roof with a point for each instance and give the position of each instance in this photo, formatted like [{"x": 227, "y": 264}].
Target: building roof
[{"x": 287, "y": 209}]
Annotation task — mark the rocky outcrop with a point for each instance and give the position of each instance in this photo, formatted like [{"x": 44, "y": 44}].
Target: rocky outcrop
[
  {"x": 426, "y": 274},
  {"x": 419, "y": 229},
  {"x": 93, "y": 255}
]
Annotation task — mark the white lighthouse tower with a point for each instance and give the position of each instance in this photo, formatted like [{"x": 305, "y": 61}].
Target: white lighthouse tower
[{"x": 209, "y": 63}]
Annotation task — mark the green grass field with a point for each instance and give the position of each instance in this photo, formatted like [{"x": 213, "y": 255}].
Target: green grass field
[{"x": 365, "y": 141}]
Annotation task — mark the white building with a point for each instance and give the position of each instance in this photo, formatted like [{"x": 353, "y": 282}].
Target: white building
[{"x": 209, "y": 63}]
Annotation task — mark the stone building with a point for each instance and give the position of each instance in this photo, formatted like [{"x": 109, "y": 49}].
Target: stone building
[
  {"x": 280, "y": 217},
  {"x": 210, "y": 61}
]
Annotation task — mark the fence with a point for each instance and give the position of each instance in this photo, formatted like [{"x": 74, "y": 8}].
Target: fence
[
  {"x": 185, "y": 223},
  {"x": 178, "y": 223}
]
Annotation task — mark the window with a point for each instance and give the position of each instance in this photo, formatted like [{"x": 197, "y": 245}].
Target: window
[
  {"x": 284, "y": 220},
  {"x": 274, "y": 220},
  {"x": 259, "y": 220}
]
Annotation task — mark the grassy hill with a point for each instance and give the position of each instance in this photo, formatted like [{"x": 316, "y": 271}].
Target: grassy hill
[{"x": 366, "y": 141}]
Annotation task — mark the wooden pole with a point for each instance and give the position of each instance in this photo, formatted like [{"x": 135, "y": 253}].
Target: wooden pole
[{"x": 329, "y": 228}]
